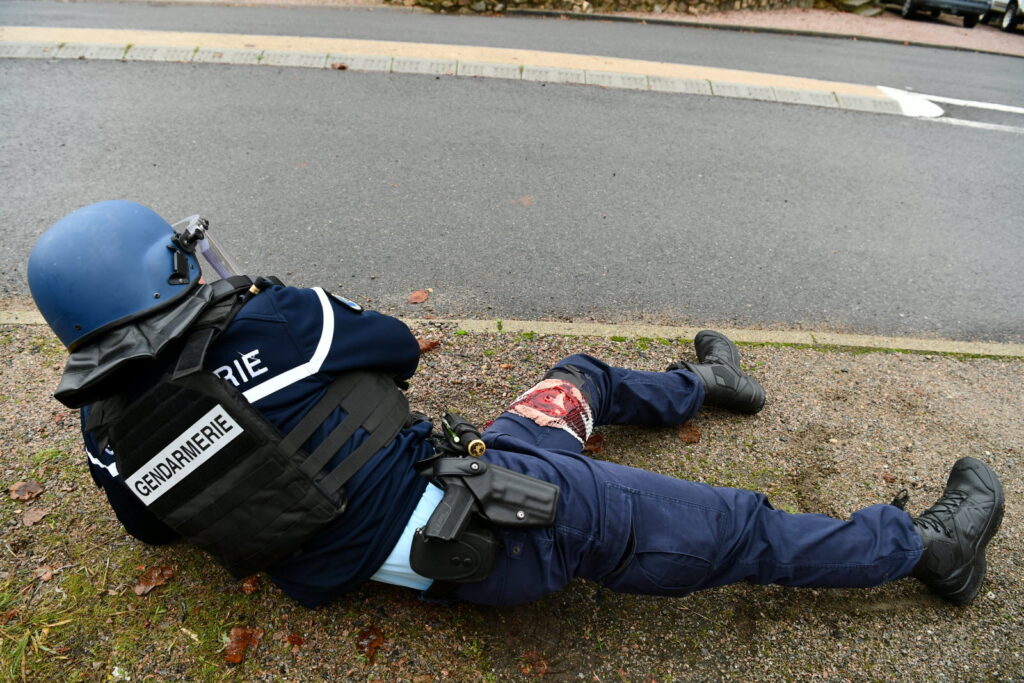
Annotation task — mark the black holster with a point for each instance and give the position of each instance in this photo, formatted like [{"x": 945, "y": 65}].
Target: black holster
[{"x": 458, "y": 543}]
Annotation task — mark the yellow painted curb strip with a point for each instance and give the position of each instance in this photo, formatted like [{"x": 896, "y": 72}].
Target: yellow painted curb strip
[
  {"x": 633, "y": 331},
  {"x": 554, "y": 60}
]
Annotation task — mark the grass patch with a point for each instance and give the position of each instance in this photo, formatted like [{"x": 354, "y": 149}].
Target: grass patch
[{"x": 47, "y": 346}]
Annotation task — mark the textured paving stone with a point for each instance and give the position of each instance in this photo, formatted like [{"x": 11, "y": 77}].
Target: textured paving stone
[
  {"x": 359, "y": 62},
  {"x": 28, "y": 50},
  {"x": 435, "y": 67},
  {"x": 874, "y": 104},
  {"x": 213, "y": 55},
  {"x": 314, "y": 60},
  {"x": 610, "y": 79},
  {"x": 744, "y": 90},
  {"x": 691, "y": 86},
  {"x": 490, "y": 70},
  {"x": 815, "y": 97},
  {"x": 90, "y": 51},
  {"x": 543, "y": 73},
  {"x": 156, "y": 53}
]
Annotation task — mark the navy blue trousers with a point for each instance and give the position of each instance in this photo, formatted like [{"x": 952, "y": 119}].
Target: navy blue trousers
[{"x": 635, "y": 531}]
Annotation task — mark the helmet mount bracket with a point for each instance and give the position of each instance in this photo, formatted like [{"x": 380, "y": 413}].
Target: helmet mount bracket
[{"x": 184, "y": 243}]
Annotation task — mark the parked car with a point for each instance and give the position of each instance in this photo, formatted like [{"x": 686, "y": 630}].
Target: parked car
[
  {"x": 1008, "y": 12},
  {"x": 970, "y": 10}
]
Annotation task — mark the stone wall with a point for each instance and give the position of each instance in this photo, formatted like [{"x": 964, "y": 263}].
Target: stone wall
[{"x": 602, "y": 6}]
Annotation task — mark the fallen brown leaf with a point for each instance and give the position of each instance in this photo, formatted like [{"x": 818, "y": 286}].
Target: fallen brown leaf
[
  {"x": 33, "y": 515},
  {"x": 251, "y": 584},
  {"x": 689, "y": 433},
  {"x": 595, "y": 444},
  {"x": 240, "y": 639},
  {"x": 25, "y": 490},
  {"x": 296, "y": 641},
  {"x": 8, "y": 616},
  {"x": 532, "y": 664},
  {"x": 339, "y": 66},
  {"x": 418, "y": 297},
  {"x": 370, "y": 640},
  {"x": 525, "y": 200},
  {"x": 889, "y": 479},
  {"x": 43, "y": 573},
  {"x": 428, "y": 344},
  {"x": 153, "y": 577}
]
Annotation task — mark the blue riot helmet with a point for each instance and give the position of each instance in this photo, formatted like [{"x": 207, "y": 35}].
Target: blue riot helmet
[{"x": 108, "y": 264}]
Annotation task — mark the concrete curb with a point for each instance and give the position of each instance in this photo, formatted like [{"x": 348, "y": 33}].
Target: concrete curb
[
  {"x": 746, "y": 336},
  {"x": 748, "y": 29},
  {"x": 435, "y": 60},
  {"x": 640, "y": 331}
]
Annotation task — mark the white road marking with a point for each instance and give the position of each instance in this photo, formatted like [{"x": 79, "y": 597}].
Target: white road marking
[
  {"x": 977, "y": 105},
  {"x": 979, "y": 124},
  {"x": 913, "y": 104}
]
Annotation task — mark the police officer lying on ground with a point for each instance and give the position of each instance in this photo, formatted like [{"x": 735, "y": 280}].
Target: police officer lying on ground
[{"x": 267, "y": 425}]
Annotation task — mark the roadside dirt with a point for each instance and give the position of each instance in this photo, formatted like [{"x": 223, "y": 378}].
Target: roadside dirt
[{"x": 840, "y": 431}]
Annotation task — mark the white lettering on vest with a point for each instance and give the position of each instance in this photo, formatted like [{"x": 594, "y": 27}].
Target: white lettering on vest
[
  {"x": 242, "y": 370},
  {"x": 184, "y": 455}
]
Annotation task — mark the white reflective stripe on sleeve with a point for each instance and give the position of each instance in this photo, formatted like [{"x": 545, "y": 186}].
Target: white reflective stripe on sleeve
[
  {"x": 307, "y": 369},
  {"x": 111, "y": 468}
]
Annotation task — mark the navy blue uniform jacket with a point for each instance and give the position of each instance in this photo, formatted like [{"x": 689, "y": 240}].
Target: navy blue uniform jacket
[{"x": 282, "y": 350}]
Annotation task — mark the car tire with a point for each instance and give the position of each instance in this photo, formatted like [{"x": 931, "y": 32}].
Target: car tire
[
  {"x": 970, "y": 20},
  {"x": 1010, "y": 17},
  {"x": 907, "y": 11}
]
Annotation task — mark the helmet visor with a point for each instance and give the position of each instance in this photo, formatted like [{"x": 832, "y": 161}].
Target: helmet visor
[{"x": 214, "y": 260}]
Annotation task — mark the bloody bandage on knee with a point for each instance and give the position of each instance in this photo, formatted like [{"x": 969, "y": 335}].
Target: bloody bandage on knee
[{"x": 556, "y": 403}]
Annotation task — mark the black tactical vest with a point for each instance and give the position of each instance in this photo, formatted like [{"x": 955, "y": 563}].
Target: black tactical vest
[{"x": 209, "y": 465}]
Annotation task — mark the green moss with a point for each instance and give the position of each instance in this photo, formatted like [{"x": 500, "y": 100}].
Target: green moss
[
  {"x": 48, "y": 455},
  {"x": 47, "y": 346},
  {"x": 861, "y": 350}
]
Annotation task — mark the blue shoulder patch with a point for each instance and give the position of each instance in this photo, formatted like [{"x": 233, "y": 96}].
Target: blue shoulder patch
[{"x": 351, "y": 305}]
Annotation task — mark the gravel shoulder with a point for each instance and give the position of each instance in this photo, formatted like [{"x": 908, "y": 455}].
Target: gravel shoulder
[{"x": 841, "y": 430}]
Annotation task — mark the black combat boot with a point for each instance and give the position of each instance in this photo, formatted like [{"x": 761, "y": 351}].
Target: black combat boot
[
  {"x": 956, "y": 530},
  {"x": 725, "y": 385}
]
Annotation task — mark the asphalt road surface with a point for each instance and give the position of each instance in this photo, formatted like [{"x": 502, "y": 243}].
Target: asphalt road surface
[{"x": 522, "y": 200}]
